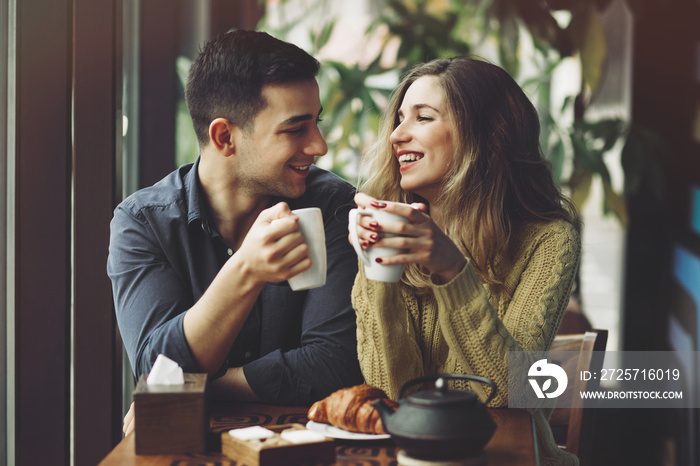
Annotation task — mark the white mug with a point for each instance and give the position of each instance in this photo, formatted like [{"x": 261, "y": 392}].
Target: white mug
[
  {"x": 374, "y": 270},
  {"x": 311, "y": 228}
]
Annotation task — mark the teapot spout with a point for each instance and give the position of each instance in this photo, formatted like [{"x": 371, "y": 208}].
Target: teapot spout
[{"x": 385, "y": 412}]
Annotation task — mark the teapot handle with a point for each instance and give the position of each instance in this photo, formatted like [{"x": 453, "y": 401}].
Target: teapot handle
[{"x": 430, "y": 378}]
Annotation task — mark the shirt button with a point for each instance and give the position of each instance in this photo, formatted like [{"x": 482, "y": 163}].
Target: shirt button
[
  {"x": 247, "y": 354},
  {"x": 230, "y": 251}
]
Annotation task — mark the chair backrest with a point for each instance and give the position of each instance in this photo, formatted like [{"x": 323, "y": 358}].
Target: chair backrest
[{"x": 573, "y": 425}]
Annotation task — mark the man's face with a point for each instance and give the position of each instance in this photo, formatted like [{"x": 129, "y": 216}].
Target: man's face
[{"x": 273, "y": 155}]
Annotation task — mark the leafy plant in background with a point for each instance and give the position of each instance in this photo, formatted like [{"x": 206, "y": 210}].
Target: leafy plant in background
[
  {"x": 588, "y": 141},
  {"x": 350, "y": 112},
  {"x": 428, "y": 29},
  {"x": 186, "y": 146}
]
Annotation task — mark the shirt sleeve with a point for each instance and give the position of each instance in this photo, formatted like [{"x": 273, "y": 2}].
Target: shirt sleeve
[
  {"x": 150, "y": 297},
  {"x": 481, "y": 338},
  {"x": 326, "y": 359}
]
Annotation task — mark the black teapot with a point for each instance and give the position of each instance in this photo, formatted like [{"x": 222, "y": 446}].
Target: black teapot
[{"x": 439, "y": 424}]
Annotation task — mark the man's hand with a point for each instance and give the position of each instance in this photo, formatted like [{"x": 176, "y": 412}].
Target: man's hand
[
  {"x": 129, "y": 421},
  {"x": 273, "y": 250}
]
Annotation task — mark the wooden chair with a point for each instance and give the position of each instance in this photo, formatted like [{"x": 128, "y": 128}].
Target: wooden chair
[{"x": 573, "y": 427}]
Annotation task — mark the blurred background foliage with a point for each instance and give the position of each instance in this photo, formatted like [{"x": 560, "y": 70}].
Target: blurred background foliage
[{"x": 516, "y": 34}]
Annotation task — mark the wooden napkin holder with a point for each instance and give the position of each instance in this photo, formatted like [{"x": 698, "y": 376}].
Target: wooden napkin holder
[
  {"x": 171, "y": 419},
  {"x": 274, "y": 451}
]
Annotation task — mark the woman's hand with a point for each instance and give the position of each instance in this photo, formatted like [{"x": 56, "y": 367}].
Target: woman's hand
[{"x": 427, "y": 245}]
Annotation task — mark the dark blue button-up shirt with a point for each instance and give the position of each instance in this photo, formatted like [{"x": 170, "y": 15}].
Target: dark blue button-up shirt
[{"x": 295, "y": 347}]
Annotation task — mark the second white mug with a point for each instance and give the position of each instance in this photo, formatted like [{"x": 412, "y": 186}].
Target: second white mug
[
  {"x": 311, "y": 228},
  {"x": 374, "y": 270}
]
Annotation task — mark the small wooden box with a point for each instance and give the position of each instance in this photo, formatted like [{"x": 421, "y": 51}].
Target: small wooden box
[
  {"x": 275, "y": 450},
  {"x": 171, "y": 419}
]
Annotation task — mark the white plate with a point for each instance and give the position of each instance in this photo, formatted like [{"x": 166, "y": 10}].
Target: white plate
[{"x": 334, "y": 432}]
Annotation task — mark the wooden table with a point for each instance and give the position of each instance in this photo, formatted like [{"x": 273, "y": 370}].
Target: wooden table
[{"x": 512, "y": 444}]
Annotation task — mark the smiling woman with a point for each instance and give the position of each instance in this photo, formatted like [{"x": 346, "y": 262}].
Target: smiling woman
[
  {"x": 423, "y": 139},
  {"x": 490, "y": 244}
]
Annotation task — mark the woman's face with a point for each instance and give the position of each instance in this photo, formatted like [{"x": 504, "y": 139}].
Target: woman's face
[{"x": 423, "y": 140}]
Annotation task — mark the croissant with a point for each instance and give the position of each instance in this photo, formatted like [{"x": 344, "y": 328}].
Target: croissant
[{"x": 350, "y": 409}]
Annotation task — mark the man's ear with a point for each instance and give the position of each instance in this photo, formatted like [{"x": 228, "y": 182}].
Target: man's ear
[{"x": 221, "y": 135}]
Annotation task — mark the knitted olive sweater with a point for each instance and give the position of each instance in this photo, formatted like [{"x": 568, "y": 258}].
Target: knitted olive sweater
[{"x": 469, "y": 328}]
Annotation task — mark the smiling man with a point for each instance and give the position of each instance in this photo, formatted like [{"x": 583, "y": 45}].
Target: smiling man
[{"x": 199, "y": 268}]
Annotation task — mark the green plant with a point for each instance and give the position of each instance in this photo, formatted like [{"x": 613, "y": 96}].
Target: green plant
[
  {"x": 430, "y": 29},
  {"x": 585, "y": 142},
  {"x": 186, "y": 146}
]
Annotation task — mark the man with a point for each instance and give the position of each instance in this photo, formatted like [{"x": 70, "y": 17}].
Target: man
[{"x": 199, "y": 268}]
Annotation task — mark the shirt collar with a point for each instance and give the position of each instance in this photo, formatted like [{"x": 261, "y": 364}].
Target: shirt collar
[{"x": 196, "y": 209}]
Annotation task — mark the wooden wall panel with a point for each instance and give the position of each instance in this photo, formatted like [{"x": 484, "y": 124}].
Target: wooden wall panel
[
  {"x": 41, "y": 232},
  {"x": 97, "y": 124}
]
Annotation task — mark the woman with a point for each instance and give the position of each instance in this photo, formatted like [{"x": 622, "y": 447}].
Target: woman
[{"x": 492, "y": 244}]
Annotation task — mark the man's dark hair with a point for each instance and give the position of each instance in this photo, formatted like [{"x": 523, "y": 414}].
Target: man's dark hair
[{"x": 226, "y": 79}]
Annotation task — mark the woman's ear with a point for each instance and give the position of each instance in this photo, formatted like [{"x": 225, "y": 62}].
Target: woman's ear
[{"x": 221, "y": 136}]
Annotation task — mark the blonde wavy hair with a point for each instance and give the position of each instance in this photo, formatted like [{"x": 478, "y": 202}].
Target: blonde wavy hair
[{"x": 499, "y": 177}]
